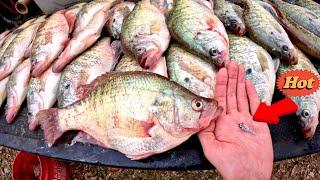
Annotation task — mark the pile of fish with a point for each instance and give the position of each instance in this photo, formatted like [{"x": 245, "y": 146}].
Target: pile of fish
[{"x": 139, "y": 77}]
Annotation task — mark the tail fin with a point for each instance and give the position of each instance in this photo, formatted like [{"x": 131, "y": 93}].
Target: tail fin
[{"x": 50, "y": 124}]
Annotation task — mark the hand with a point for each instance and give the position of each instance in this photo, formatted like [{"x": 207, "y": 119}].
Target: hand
[{"x": 235, "y": 153}]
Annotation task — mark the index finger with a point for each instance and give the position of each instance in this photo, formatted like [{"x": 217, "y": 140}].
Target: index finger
[{"x": 221, "y": 88}]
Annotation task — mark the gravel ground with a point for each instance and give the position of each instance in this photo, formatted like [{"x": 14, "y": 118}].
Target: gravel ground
[{"x": 306, "y": 167}]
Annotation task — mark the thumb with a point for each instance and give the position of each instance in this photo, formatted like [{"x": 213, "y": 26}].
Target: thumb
[
  {"x": 211, "y": 126},
  {"x": 208, "y": 142}
]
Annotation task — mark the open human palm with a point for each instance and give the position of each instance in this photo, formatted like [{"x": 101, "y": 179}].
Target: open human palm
[{"x": 237, "y": 146}]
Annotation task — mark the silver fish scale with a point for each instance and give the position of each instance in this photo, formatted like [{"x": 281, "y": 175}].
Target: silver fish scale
[
  {"x": 131, "y": 145},
  {"x": 251, "y": 55}
]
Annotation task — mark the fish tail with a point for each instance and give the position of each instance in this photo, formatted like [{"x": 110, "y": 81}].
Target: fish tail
[{"x": 49, "y": 121}]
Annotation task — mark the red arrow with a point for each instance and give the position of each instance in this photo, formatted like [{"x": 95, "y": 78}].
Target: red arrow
[{"x": 271, "y": 114}]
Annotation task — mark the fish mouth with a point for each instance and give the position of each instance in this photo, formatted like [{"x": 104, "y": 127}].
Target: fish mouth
[
  {"x": 209, "y": 115},
  {"x": 238, "y": 28},
  {"x": 150, "y": 58},
  {"x": 308, "y": 128},
  {"x": 308, "y": 133},
  {"x": 38, "y": 69},
  {"x": 222, "y": 60},
  {"x": 290, "y": 58},
  {"x": 293, "y": 60},
  {"x": 4, "y": 72},
  {"x": 224, "y": 56}
]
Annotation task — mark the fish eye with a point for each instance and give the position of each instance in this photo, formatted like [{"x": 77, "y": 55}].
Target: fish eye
[
  {"x": 305, "y": 113},
  {"x": 285, "y": 48},
  {"x": 186, "y": 79},
  {"x": 233, "y": 21},
  {"x": 29, "y": 113},
  {"x": 249, "y": 71},
  {"x": 67, "y": 86},
  {"x": 213, "y": 52},
  {"x": 197, "y": 105},
  {"x": 140, "y": 50}
]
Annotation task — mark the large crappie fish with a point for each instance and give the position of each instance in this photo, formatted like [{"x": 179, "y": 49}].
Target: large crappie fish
[
  {"x": 196, "y": 27},
  {"x": 259, "y": 66},
  {"x": 190, "y": 71},
  {"x": 309, "y": 106},
  {"x": 136, "y": 113},
  {"x": 144, "y": 34}
]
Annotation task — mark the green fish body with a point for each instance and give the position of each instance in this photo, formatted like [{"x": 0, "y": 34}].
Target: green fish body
[
  {"x": 136, "y": 113},
  {"x": 197, "y": 28}
]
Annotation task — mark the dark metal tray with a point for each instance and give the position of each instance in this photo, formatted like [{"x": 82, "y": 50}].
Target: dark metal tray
[{"x": 287, "y": 142}]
